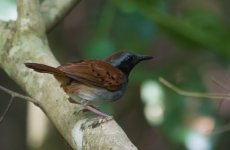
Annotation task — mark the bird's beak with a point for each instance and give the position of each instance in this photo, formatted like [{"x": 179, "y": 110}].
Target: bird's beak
[{"x": 144, "y": 57}]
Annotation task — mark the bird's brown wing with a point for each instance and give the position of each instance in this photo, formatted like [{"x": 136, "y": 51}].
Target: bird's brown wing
[{"x": 94, "y": 72}]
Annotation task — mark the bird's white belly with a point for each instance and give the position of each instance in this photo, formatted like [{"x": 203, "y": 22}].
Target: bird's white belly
[{"x": 99, "y": 94}]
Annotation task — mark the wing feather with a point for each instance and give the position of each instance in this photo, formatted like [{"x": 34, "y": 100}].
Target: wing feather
[{"x": 94, "y": 72}]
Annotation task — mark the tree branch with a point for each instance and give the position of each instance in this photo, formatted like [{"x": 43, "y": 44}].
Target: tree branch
[
  {"x": 194, "y": 94},
  {"x": 52, "y": 11},
  {"x": 27, "y": 42},
  {"x": 14, "y": 94},
  {"x": 6, "y": 110}
]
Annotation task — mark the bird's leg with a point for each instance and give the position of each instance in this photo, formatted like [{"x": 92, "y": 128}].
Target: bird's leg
[
  {"x": 94, "y": 110},
  {"x": 98, "y": 121},
  {"x": 91, "y": 108},
  {"x": 88, "y": 107}
]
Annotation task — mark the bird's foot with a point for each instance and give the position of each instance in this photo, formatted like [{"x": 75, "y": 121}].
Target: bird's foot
[{"x": 100, "y": 120}]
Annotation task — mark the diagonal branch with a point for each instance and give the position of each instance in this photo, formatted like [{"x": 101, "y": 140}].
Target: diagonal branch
[
  {"x": 194, "y": 94},
  {"x": 14, "y": 95},
  {"x": 7, "y": 109},
  {"x": 18, "y": 95}
]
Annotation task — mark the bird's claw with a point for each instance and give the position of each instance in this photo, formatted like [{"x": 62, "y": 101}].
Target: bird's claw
[{"x": 101, "y": 120}]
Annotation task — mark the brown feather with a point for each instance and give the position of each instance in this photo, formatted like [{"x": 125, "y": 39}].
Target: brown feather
[
  {"x": 90, "y": 72},
  {"x": 96, "y": 73},
  {"x": 44, "y": 69}
]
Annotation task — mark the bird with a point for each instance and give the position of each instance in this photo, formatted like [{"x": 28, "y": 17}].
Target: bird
[{"x": 92, "y": 80}]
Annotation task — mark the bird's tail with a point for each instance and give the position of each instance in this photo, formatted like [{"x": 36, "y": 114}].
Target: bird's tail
[{"x": 45, "y": 69}]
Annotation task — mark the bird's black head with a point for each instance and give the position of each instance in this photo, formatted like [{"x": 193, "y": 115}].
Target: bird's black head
[{"x": 125, "y": 61}]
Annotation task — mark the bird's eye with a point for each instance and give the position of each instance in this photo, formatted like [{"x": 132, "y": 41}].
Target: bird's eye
[{"x": 130, "y": 58}]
